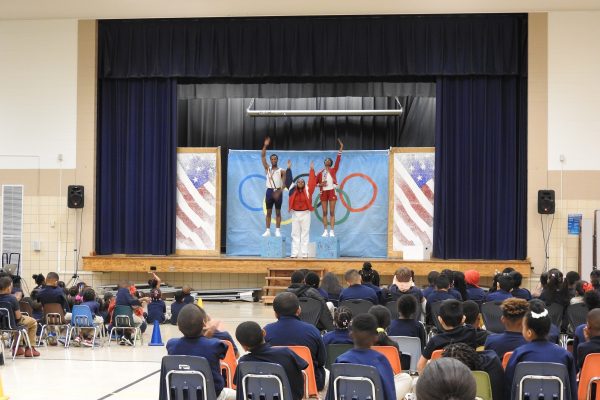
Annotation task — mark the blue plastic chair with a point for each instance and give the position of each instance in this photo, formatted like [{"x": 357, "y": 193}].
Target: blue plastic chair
[
  {"x": 534, "y": 379},
  {"x": 263, "y": 380},
  {"x": 82, "y": 318},
  {"x": 351, "y": 381},
  {"x": 186, "y": 378}
]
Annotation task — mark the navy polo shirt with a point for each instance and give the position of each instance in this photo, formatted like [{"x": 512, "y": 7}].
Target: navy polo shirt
[
  {"x": 377, "y": 290},
  {"x": 12, "y": 300},
  {"x": 156, "y": 311},
  {"x": 290, "y": 331},
  {"x": 188, "y": 299},
  {"x": 505, "y": 342},
  {"x": 441, "y": 295},
  {"x": 542, "y": 351},
  {"x": 521, "y": 293},
  {"x": 593, "y": 346},
  {"x": 338, "y": 336},
  {"x": 94, "y": 307},
  {"x": 212, "y": 349},
  {"x": 124, "y": 298},
  {"x": 498, "y": 295},
  {"x": 175, "y": 308},
  {"x": 53, "y": 294},
  {"x": 475, "y": 293},
  {"x": 456, "y": 294},
  {"x": 361, "y": 292},
  {"x": 397, "y": 293},
  {"x": 407, "y": 327},
  {"x": 578, "y": 338},
  {"x": 428, "y": 290},
  {"x": 374, "y": 359},
  {"x": 292, "y": 364}
]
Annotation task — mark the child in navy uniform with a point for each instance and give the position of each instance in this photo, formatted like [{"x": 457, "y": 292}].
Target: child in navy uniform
[
  {"x": 406, "y": 325},
  {"x": 356, "y": 290},
  {"x": 6, "y": 296},
  {"x": 474, "y": 292},
  {"x": 191, "y": 322},
  {"x": 472, "y": 318},
  {"x": 442, "y": 284},
  {"x": 403, "y": 284},
  {"x": 341, "y": 335},
  {"x": 89, "y": 300},
  {"x": 592, "y": 334},
  {"x": 517, "y": 290},
  {"x": 252, "y": 339},
  {"x": 364, "y": 333},
  {"x": 176, "y": 307},
  {"x": 504, "y": 286},
  {"x": 290, "y": 331},
  {"x": 513, "y": 312},
  {"x": 125, "y": 298},
  {"x": 592, "y": 301},
  {"x": 156, "y": 308},
  {"x": 383, "y": 317},
  {"x": 452, "y": 319},
  {"x": 446, "y": 378},
  {"x": 536, "y": 326},
  {"x": 431, "y": 277},
  {"x": 367, "y": 273},
  {"x": 187, "y": 295}
]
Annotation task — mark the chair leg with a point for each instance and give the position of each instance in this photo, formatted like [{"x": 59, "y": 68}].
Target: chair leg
[
  {"x": 110, "y": 335},
  {"x": 16, "y": 345},
  {"x": 42, "y": 336}
]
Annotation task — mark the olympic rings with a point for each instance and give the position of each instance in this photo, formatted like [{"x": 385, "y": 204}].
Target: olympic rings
[
  {"x": 317, "y": 203},
  {"x": 366, "y": 206},
  {"x": 241, "y": 194}
]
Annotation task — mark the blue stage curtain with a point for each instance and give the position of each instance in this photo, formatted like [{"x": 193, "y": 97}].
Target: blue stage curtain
[
  {"x": 136, "y": 166},
  {"x": 481, "y": 168},
  {"x": 310, "y": 47}
]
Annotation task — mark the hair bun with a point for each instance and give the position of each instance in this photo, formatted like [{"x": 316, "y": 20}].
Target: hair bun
[{"x": 537, "y": 307}]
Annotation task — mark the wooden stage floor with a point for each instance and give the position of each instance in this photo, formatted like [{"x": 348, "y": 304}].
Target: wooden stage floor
[{"x": 257, "y": 265}]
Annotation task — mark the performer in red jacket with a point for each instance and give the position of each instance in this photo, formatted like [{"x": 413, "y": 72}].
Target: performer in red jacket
[
  {"x": 300, "y": 206},
  {"x": 327, "y": 182}
]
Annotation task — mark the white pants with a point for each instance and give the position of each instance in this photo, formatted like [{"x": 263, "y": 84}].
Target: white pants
[
  {"x": 227, "y": 394},
  {"x": 300, "y": 229}
]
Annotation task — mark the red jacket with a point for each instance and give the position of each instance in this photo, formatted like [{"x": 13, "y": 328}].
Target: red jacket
[
  {"x": 309, "y": 189},
  {"x": 332, "y": 171}
]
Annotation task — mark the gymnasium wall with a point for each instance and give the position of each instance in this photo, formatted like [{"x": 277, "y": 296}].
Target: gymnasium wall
[{"x": 51, "y": 109}]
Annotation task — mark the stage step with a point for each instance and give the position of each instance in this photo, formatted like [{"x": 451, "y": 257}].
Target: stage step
[
  {"x": 271, "y": 287},
  {"x": 278, "y": 277}
]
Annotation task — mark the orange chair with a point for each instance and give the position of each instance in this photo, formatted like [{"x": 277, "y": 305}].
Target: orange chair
[
  {"x": 590, "y": 374},
  {"x": 393, "y": 356},
  {"x": 437, "y": 354},
  {"x": 310, "y": 381},
  {"x": 506, "y": 358},
  {"x": 229, "y": 364}
]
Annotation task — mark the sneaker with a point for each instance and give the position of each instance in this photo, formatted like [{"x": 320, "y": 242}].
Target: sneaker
[
  {"x": 128, "y": 341},
  {"x": 51, "y": 339},
  {"x": 20, "y": 351},
  {"x": 62, "y": 340},
  {"x": 331, "y": 234},
  {"x": 87, "y": 343},
  {"x": 277, "y": 232},
  {"x": 267, "y": 233},
  {"x": 325, "y": 233},
  {"x": 31, "y": 352},
  {"x": 76, "y": 342}
]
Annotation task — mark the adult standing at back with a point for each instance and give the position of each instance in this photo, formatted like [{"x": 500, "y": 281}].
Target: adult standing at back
[
  {"x": 327, "y": 182},
  {"x": 275, "y": 184}
]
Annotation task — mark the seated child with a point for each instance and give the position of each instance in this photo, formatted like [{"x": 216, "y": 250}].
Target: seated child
[
  {"x": 108, "y": 301},
  {"x": 536, "y": 326},
  {"x": 474, "y": 292},
  {"x": 517, "y": 290},
  {"x": 486, "y": 361},
  {"x": 452, "y": 319},
  {"x": 6, "y": 284},
  {"x": 341, "y": 335},
  {"x": 290, "y": 331},
  {"x": 513, "y": 312},
  {"x": 441, "y": 293},
  {"x": 156, "y": 308},
  {"x": 592, "y": 301},
  {"x": 363, "y": 331},
  {"x": 191, "y": 322},
  {"x": 472, "y": 318},
  {"x": 125, "y": 298},
  {"x": 177, "y": 305},
  {"x": 187, "y": 294},
  {"x": 216, "y": 329},
  {"x": 431, "y": 277},
  {"x": 356, "y": 290},
  {"x": 383, "y": 317},
  {"x": 503, "y": 288},
  {"x": 592, "y": 335},
  {"x": 252, "y": 339},
  {"x": 89, "y": 299},
  {"x": 446, "y": 379},
  {"x": 406, "y": 325}
]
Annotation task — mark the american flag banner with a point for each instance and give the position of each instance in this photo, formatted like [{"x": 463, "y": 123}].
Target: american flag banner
[
  {"x": 412, "y": 212},
  {"x": 198, "y": 199}
]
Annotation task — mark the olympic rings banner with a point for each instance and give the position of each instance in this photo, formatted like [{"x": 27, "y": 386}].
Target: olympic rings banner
[{"x": 361, "y": 211}]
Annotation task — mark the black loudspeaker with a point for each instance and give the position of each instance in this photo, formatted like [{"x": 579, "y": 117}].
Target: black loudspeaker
[
  {"x": 546, "y": 203},
  {"x": 75, "y": 196}
]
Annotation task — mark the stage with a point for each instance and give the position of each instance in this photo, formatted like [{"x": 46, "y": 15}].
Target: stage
[{"x": 257, "y": 265}]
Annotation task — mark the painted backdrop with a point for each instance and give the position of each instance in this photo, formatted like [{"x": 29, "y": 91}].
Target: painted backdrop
[{"x": 361, "y": 209}]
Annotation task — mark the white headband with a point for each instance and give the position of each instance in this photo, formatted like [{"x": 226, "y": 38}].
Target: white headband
[{"x": 540, "y": 315}]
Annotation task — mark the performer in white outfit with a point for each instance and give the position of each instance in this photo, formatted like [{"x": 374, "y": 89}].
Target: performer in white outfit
[
  {"x": 274, "y": 193},
  {"x": 300, "y": 206}
]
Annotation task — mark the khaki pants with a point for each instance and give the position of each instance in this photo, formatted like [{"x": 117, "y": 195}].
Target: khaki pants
[{"x": 31, "y": 325}]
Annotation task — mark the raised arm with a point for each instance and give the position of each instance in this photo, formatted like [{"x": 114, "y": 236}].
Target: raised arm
[
  {"x": 312, "y": 179},
  {"x": 338, "y": 158},
  {"x": 288, "y": 176},
  {"x": 263, "y": 154}
]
